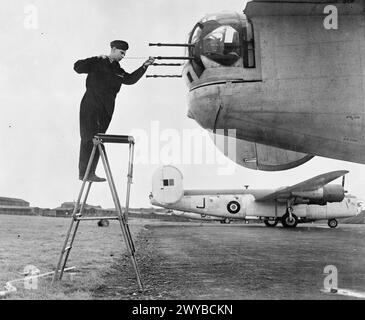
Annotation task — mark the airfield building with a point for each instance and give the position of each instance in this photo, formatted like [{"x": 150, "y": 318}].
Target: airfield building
[
  {"x": 66, "y": 210},
  {"x": 13, "y": 202},
  {"x": 13, "y": 206}
]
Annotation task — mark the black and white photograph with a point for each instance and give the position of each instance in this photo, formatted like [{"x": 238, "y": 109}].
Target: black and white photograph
[{"x": 193, "y": 152}]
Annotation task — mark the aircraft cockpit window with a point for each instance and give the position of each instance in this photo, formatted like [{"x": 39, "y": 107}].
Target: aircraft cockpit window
[{"x": 196, "y": 35}]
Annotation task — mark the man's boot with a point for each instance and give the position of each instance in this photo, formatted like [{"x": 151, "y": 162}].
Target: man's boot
[{"x": 93, "y": 178}]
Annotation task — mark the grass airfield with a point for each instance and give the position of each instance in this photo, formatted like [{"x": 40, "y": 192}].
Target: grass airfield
[
  {"x": 180, "y": 260},
  {"x": 38, "y": 241}
]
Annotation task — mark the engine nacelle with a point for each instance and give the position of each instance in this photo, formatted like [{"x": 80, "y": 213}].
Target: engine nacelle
[
  {"x": 333, "y": 193},
  {"x": 321, "y": 196}
]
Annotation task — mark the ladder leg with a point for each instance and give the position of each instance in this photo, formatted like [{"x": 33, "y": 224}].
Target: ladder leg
[
  {"x": 67, "y": 246},
  {"x": 74, "y": 215},
  {"x": 124, "y": 226},
  {"x": 129, "y": 184},
  {"x": 129, "y": 179},
  {"x": 75, "y": 230},
  {"x": 127, "y": 236},
  {"x": 67, "y": 251},
  {"x": 136, "y": 269},
  {"x": 55, "y": 276}
]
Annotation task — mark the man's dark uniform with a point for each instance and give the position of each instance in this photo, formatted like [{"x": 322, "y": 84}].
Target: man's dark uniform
[{"x": 97, "y": 106}]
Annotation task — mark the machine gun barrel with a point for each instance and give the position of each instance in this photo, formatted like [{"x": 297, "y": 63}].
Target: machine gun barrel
[
  {"x": 168, "y": 64},
  {"x": 174, "y": 58},
  {"x": 171, "y": 45},
  {"x": 164, "y": 76}
]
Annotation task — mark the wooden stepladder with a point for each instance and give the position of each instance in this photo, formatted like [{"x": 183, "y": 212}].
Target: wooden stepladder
[{"x": 122, "y": 217}]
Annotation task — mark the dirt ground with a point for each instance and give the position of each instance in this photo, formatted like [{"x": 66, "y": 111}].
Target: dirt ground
[{"x": 212, "y": 261}]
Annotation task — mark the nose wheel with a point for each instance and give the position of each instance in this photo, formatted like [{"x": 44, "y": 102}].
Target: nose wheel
[
  {"x": 332, "y": 223},
  {"x": 271, "y": 223}
]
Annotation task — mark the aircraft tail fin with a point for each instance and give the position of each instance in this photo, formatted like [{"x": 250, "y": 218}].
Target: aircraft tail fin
[{"x": 167, "y": 186}]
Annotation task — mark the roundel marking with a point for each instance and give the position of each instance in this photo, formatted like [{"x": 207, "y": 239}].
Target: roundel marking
[{"x": 233, "y": 207}]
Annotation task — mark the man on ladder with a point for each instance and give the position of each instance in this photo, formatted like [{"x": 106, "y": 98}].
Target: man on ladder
[{"x": 105, "y": 77}]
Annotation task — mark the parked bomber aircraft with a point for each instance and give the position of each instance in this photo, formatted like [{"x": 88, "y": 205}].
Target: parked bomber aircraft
[
  {"x": 290, "y": 86},
  {"x": 311, "y": 200}
]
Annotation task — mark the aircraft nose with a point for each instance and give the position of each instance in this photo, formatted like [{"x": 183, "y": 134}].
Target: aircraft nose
[{"x": 204, "y": 104}]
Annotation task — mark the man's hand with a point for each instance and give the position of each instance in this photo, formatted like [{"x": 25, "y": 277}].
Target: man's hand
[
  {"x": 103, "y": 56},
  {"x": 148, "y": 62}
]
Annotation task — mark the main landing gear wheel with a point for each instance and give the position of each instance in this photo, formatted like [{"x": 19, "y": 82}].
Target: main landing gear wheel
[
  {"x": 271, "y": 223},
  {"x": 332, "y": 223},
  {"x": 287, "y": 222}
]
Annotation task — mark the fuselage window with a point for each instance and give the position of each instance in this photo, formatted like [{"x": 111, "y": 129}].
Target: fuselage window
[
  {"x": 194, "y": 51},
  {"x": 168, "y": 182},
  {"x": 249, "y": 47},
  {"x": 189, "y": 77}
]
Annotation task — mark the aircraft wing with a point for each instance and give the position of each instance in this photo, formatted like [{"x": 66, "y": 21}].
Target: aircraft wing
[
  {"x": 300, "y": 7},
  {"x": 305, "y": 1},
  {"x": 308, "y": 185}
]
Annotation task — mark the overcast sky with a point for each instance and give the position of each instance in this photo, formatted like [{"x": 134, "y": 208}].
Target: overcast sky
[{"x": 41, "y": 93}]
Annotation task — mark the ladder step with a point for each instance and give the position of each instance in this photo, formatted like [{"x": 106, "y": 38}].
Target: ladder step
[{"x": 97, "y": 218}]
